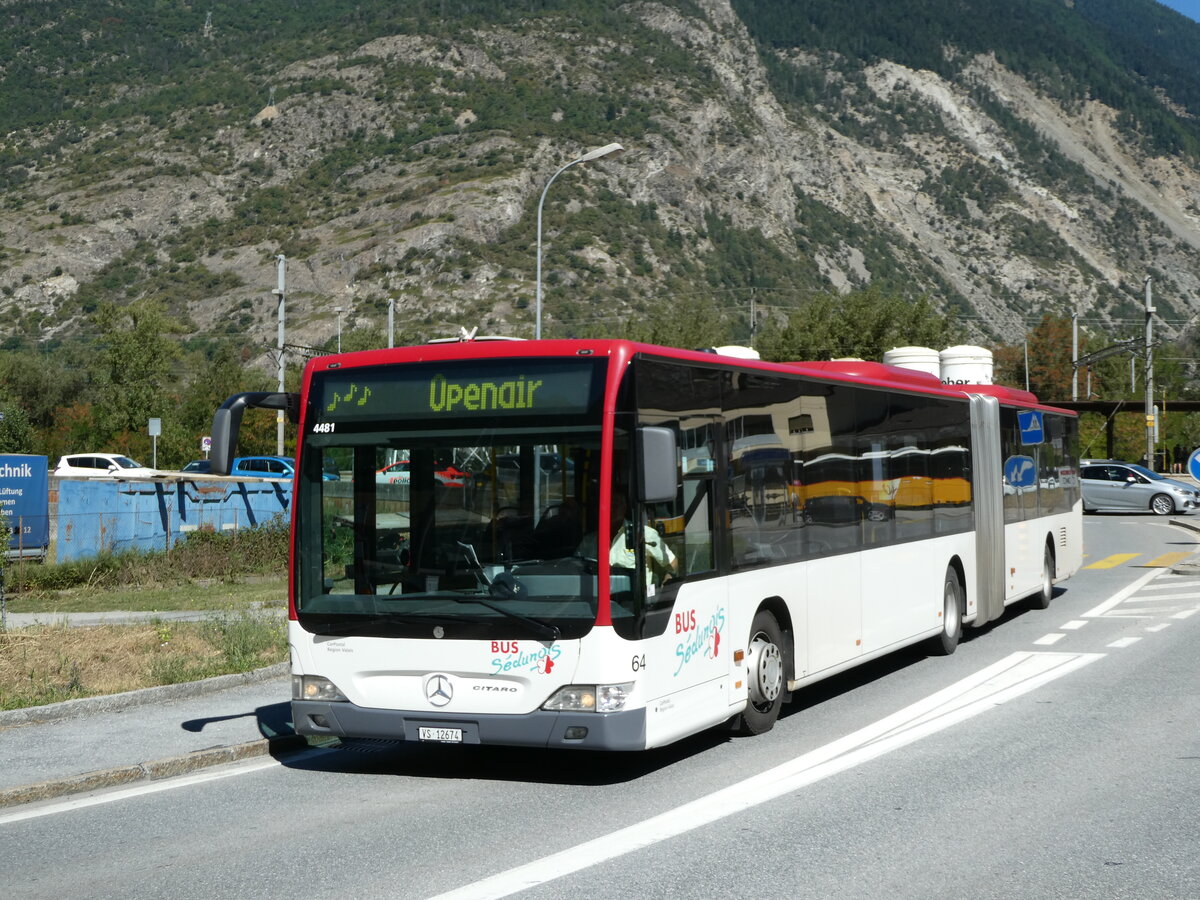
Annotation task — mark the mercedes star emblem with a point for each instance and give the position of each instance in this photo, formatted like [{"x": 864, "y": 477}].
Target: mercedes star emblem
[{"x": 438, "y": 690}]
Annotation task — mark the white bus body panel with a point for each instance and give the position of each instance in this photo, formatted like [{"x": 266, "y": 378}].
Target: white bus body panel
[
  {"x": 833, "y": 626},
  {"x": 901, "y": 591},
  {"x": 1024, "y": 545},
  {"x": 685, "y": 671},
  {"x": 902, "y": 588},
  {"x": 390, "y": 673}
]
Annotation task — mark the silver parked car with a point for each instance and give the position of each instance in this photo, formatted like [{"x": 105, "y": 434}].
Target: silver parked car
[{"x": 1110, "y": 485}]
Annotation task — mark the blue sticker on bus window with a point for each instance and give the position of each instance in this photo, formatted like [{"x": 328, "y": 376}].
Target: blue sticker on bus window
[
  {"x": 1019, "y": 472},
  {"x": 1030, "y": 423}
]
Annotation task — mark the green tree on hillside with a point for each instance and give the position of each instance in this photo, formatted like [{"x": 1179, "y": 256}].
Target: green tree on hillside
[
  {"x": 864, "y": 323},
  {"x": 686, "y": 322},
  {"x": 1049, "y": 349},
  {"x": 135, "y": 365},
  {"x": 43, "y": 383},
  {"x": 16, "y": 432}
]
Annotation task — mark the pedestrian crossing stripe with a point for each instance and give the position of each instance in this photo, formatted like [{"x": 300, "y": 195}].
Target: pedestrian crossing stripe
[{"x": 1111, "y": 562}]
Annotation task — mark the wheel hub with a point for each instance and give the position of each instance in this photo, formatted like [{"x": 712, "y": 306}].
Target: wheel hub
[{"x": 766, "y": 662}]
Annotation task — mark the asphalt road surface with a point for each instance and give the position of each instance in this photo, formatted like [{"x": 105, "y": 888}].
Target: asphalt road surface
[{"x": 1056, "y": 754}]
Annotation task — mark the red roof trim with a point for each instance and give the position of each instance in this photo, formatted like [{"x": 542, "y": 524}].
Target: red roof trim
[{"x": 865, "y": 372}]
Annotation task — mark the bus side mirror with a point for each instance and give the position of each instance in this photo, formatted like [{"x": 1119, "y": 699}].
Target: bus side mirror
[
  {"x": 227, "y": 421},
  {"x": 225, "y": 427},
  {"x": 657, "y": 465}
]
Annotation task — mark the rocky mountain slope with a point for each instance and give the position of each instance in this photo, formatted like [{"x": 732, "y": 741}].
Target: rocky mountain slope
[{"x": 406, "y": 159}]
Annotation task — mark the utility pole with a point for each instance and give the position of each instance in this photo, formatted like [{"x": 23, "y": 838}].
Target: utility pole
[
  {"x": 1075, "y": 357},
  {"x": 753, "y": 318},
  {"x": 1149, "y": 379},
  {"x": 391, "y": 321},
  {"x": 279, "y": 293}
]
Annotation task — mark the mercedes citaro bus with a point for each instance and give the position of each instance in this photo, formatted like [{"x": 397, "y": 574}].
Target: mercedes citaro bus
[{"x": 672, "y": 570}]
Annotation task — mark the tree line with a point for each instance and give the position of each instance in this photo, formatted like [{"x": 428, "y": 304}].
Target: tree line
[{"x": 100, "y": 396}]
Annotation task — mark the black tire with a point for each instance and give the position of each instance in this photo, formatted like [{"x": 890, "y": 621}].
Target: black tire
[
  {"x": 1162, "y": 505},
  {"x": 766, "y": 669},
  {"x": 876, "y": 514},
  {"x": 1041, "y": 600},
  {"x": 954, "y": 607}
]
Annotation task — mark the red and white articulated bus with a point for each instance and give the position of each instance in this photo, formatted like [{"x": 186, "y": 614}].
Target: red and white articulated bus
[{"x": 485, "y": 611}]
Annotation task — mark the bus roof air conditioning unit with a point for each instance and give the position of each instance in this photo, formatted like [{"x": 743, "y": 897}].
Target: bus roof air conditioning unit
[
  {"x": 920, "y": 359},
  {"x": 966, "y": 365}
]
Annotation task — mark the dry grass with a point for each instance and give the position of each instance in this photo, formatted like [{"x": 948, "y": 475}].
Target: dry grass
[
  {"x": 258, "y": 593},
  {"x": 231, "y": 577},
  {"x": 50, "y": 663}
]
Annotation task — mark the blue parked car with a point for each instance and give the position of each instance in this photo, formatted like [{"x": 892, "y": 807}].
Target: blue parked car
[
  {"x": 272, "y": 467},
  {"x": 262, "y": 467}
]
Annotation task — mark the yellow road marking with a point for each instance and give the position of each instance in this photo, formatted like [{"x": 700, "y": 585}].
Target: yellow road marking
[
  {"x": 1166, "y": 560},
  {"x": 1111, "y": 562}
]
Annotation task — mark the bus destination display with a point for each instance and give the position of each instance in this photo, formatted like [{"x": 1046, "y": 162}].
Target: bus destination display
[{"x": 435, "y": 391}]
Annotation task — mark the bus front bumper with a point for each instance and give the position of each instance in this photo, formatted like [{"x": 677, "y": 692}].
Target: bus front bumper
[{"x": 588, "y": 731}]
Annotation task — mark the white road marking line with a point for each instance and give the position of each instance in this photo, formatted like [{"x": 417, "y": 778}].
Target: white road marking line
[
  {"x": 1120, "y": 596},
  {"x": 1124, "y": 642},
  {"x": 1073, "y": 625},
  {"x": 1158, "y": 598},
  {"x": 1171, "y": 584},
  {"x": 1187, "y": 613},
  {"x": 1048, "y": 639},
  {"x": 1009, "y": 678},
  {"x": 1142, "y": 612},
  {"x": 150, "y": 787},
  {"x": 1159, "y": 627}
]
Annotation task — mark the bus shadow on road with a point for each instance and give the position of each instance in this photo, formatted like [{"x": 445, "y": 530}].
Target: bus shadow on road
[{"x": 536, "y": 765}]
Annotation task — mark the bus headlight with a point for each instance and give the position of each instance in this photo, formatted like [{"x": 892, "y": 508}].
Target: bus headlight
[
  {"x": 590, "y": 698},
  {"x": 314, "y": 687}
]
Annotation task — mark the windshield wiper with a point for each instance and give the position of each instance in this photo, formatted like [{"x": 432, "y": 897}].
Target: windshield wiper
[
  {"x": 353, "y": 624},
  {"x": 544, "y": 629},
  {"x": 548, "y": 631}
]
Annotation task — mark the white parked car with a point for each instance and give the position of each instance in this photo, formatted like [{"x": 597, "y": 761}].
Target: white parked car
[{"x": 100, "y": 465}]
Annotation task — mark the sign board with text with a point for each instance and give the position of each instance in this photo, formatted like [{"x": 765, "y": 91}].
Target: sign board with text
[{"x": 25, "y": 503}]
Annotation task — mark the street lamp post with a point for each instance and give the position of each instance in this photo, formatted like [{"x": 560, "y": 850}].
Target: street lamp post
[
  {"x": 598, "y": 153},
  {"x": 281, "y": 262},
  {"x": 338, "y": 310}
]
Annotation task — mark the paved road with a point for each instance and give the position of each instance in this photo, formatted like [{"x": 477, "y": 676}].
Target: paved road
[
  {"x": 99, "y": 742},
  {"x": 875, "y": 783}
]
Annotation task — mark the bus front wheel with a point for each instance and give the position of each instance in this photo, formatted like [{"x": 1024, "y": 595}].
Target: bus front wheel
[{"x": 766, "y": 668}]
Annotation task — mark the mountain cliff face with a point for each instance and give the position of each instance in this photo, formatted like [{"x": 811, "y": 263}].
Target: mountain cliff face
[{"x": 404, "y": 158}]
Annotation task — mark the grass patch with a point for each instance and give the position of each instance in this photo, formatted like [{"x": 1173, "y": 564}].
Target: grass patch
[
  {"x": 253, "y": 593},
  {"x": 51, "y": 663},
  {"x": 204, "y": 556}
]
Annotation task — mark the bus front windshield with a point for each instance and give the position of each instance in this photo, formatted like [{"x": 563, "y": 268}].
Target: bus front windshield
[{"x": 469, "y": 533}]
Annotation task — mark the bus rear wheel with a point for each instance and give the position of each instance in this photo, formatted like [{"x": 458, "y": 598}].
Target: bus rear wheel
[
  {"x": 953, "y": 609},
  {"x": 766, "y": 669},
  {"x": 1041, "y": 600}
]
